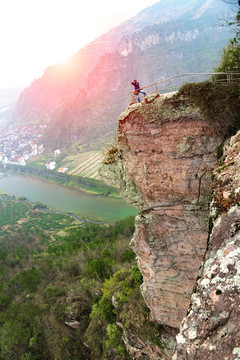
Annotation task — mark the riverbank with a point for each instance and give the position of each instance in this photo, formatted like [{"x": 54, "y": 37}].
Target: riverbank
[
  {"x": 64, "y": 199},
  {"x": 74, "y": 182}
]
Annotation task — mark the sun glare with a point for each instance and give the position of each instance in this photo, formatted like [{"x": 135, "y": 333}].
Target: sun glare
[{"x": 39, "y": 33}]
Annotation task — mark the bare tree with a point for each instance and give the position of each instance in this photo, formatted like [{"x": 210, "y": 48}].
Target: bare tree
[{"x": 234, "y": 20}]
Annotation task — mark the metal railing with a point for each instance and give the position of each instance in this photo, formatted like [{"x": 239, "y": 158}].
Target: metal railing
[{"x": 174, "y": 83}]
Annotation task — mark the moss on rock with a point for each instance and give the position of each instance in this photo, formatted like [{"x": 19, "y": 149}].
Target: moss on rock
[{"x": 115, "y": 174}]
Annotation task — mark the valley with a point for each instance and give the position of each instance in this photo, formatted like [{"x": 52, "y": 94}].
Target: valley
[{"x": 83, "y": 274}]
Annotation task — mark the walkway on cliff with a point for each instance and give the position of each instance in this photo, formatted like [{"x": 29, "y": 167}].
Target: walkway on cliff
[{"x": 174, "y": 83}]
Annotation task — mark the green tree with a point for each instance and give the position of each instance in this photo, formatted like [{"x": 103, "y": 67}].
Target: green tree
[{"x": 230, "y": 60}]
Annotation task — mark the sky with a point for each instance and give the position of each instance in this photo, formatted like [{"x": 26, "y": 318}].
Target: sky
[{"x": 37, "y": 33}]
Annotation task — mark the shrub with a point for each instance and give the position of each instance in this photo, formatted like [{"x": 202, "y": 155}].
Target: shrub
[
  {"x": 27, "y": 280},
  {"x": 218, "y": 103},
  {"x": 52, "y": 293},
  {"x": 110, "y": 154}
]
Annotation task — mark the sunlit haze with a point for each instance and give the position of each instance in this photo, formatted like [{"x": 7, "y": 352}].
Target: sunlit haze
[{"x": 37, "y": 33}]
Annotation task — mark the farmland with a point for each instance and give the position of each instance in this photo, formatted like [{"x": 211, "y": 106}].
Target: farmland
[{"x": 84, "y": 164}]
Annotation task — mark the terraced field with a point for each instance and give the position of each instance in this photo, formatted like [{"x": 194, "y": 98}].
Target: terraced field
[{"x": 87, "y": 164}]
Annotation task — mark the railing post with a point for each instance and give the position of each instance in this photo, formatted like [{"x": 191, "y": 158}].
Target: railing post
[{"x": 183, "y": 79}]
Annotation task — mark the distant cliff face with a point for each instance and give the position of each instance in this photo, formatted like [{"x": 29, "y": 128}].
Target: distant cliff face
[
  {"x": 91, "y": 89},
  {"x": 162, "y": 164}
]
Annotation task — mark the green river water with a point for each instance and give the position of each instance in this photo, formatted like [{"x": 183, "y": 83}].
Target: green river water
[{"x": 65, "y": 199}]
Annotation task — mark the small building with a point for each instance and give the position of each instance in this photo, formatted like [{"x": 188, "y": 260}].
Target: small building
[
  {"x": 5, "y": 160},
  {"x": 21, "y": 161},
  {"x": 26, "y": 156},
  {"x": 57, "y": 152},
  {"x": 34, "y": 152},
  {"x": 62, "y": 170},
  {"x": 40, "y": 148},
  {"x": 50, "y": 165}
]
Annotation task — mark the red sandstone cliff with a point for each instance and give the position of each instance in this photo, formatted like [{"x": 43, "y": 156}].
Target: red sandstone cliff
[{"x": 162, "y": 164}]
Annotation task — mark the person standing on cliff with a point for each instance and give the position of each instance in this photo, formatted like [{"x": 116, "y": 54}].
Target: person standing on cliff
[{"x": 138, "y": 90}]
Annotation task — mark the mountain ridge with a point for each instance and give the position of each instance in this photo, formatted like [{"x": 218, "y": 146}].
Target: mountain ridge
[{"x": 101, "y": 72}]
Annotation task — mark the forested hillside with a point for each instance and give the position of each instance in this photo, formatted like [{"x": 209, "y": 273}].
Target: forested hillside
[{"x": 57, "y": 280}]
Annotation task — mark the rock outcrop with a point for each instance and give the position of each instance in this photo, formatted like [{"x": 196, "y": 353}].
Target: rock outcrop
[
  {"x": 162, "y": 164},
  {"x": 211, "y": 329}
]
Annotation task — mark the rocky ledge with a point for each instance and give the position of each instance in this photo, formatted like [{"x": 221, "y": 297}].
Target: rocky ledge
[{"x": 162, "y": 164}]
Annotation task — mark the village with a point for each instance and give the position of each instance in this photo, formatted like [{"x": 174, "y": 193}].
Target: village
[{"x": 18, "y": 144}]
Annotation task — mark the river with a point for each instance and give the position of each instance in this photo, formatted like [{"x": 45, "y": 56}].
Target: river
[{"x": 61, "y": 198}]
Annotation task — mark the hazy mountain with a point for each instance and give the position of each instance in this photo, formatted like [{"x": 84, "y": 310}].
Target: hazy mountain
[
  {"x": 8, "y": 100},
  {"x": 82, "y": 99}
]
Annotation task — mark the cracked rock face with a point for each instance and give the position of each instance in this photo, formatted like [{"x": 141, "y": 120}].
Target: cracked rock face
[
  {"x": 211, "y": 329},
  {"x": 166, "y": 151}
]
